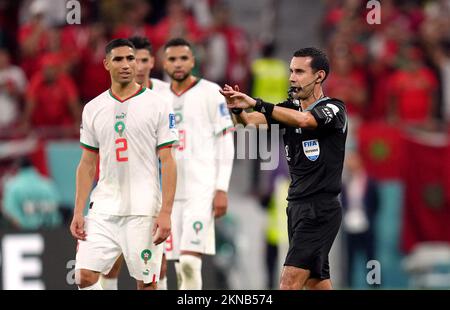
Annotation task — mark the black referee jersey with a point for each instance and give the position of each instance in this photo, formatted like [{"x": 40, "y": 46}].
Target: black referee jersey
[{"x": 316, "y": 156}]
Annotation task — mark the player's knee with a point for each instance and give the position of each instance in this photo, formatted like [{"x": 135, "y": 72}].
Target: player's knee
[
  {"x": 285, "y": 287},
  {"x": 293, "y": 278},
  {"x": 163, "y": 269},
  {"x": 315, "y": 284},
  {"x": 87, "y": 278},
  {"x": 146, "y": 286},
  {"x": 288, "y": 285},
  {"x": 191, "y": 272}
]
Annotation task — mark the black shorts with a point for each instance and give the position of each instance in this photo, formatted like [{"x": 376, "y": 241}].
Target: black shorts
[{"x": 312, "y": 228}]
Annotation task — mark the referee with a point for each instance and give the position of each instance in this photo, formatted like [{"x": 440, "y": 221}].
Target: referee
[{"x": 315, "y": 130}]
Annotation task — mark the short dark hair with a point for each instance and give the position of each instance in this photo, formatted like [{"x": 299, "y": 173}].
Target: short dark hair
[
  {"x": 177, "y": 42},
  {"x": 319, "y": 59},
  {"x": 142, "y": 43},
  {"x": 117, "y": 43}
]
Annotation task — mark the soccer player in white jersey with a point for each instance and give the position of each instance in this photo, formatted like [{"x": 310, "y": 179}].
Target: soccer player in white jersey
[
  {"x": 204, "y": 163},
  {"x": 144, "y": 64},
  {"x": 128, "y": 127}
]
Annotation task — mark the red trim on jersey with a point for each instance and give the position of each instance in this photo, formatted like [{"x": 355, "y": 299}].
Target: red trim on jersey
[
  {"x": 88, "y": 149},
  {"x": 120, "y": 100},
  {"x": 166, "y": 146},
  {"x": 154, "y": 278},
  {"x": 187, "y": 88}
]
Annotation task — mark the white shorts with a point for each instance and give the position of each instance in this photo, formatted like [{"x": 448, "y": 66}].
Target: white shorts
[
  {"x": 108, "y": 236},
  {"x": 192, "y": 227}
]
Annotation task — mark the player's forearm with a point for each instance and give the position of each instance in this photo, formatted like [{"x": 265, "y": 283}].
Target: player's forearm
[
  {"x": 169, "y": 181},
  {"x": 84, "y": 180},
  {"x": 224, "y": 161}
]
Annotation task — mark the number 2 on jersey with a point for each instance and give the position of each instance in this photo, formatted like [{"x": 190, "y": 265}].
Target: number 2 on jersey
[{"x": 121, "y": 146}]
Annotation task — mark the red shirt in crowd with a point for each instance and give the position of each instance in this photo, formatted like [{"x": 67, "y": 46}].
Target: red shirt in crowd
[
  {"x": 30, "y": 63},
  {"x": 94, "y": 79},
  {"x": 52, "y": 100},
  {"x": 413, "y": 92},
  {"x": 345, "y": 87}
]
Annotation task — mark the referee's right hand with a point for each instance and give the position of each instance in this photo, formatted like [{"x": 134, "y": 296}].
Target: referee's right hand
[
  {"x": 235, "y": 99},
  {"x": 77, "y": 227}
]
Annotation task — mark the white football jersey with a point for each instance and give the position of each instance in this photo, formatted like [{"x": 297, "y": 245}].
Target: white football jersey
[
  {"x": 127, "y": 135},
  {"x": 158, "y": 85},
  {"x": 201, "y": 115}
]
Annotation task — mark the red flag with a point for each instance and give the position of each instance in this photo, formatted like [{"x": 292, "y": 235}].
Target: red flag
[
  {"x": 381, "y": 149},
  {"x": 427, "y": 205}
]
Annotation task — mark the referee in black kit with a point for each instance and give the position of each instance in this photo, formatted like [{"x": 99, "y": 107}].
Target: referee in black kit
[{"x": 315, "y": 131}]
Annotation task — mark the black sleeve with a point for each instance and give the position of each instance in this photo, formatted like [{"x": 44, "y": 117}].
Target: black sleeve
[
  {"x": 285, "y": 104},
  {"x": 331, "y": 114}
]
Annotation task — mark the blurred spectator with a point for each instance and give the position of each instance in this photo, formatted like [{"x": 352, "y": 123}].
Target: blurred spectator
[
  {"x": 347, "y": 83},
  {"x": 412, "y": 89},
  {"x": 177, "y": 23},
  {"x": 269, "y": 76},
  {"x": 216, "y": 50},
  {"x": 274, "y": 200},
  {"x": 93, "y": 78},
  {"x": 360, "y": 202},
  {"x": 30, "y": 201},
  {"x": 238, "y": 47},
  {"x": 134, "y": 20},
  {"x": 52, "y": 98},
  {"x": 435, "y": 35},
  {"x": 62, "y": 43},
  {"x": 54, "y": 11},
  {"x": 343, "y": 17},
  {"x": 12, "y": 88},
  {"x": 270, "y": 83},
  {"x": 201, "y": 11},
  {"x": 33, "y": 38}
]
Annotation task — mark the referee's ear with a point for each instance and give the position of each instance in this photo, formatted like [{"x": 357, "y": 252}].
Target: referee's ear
[{"x": 321, "y": 76}]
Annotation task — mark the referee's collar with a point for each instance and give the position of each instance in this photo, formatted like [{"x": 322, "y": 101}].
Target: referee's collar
[{"x": 316, "y": 103}]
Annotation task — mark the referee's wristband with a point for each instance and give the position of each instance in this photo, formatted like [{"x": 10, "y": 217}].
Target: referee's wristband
[
  {"x": 236, "y": 111},
  {"x": 264, "y": 107}
]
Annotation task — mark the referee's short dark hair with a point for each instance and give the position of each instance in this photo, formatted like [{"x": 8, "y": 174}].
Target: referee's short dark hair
[
  {"x": 142, "y": 43},
  {"x": 319, "y": 59},
  {"x": 177, "y": 42},
  {"x": 117, "y": 43}
]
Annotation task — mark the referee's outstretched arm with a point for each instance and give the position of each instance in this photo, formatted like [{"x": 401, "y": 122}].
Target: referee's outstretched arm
[
  {"x": 237, "y": 101},
  {"x": 239, "y": 115}
]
